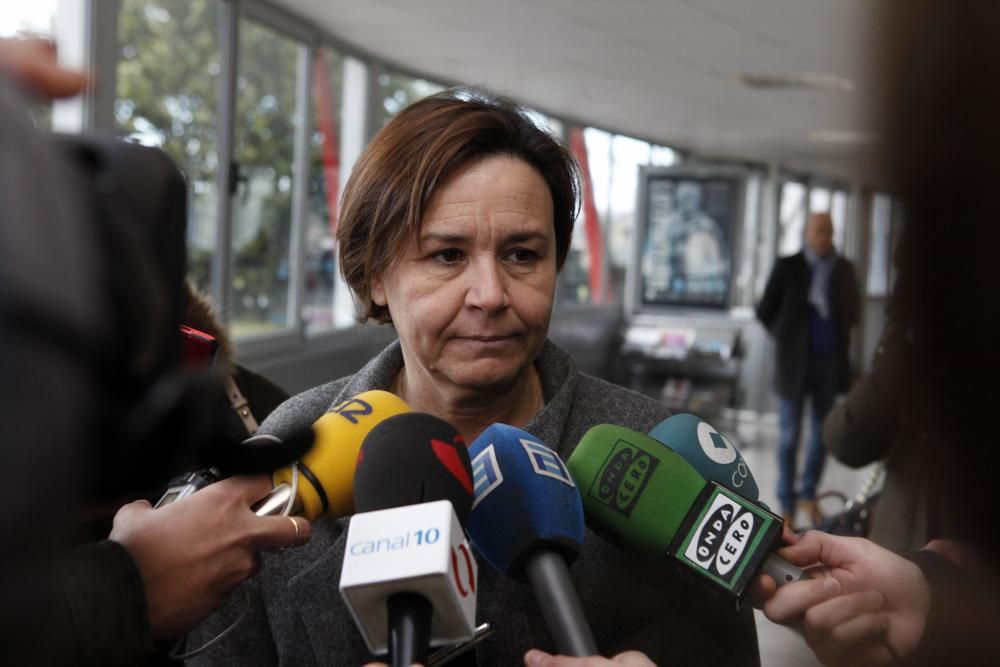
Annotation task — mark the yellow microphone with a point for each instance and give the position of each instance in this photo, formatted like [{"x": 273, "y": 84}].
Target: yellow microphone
[{"x": 324, "y": 484}]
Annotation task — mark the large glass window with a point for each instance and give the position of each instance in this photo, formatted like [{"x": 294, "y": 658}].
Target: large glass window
[
  {"x": 31, "y": 19},
  {"x": 28, "y": 18},
  {"x": 838, "y": 211},
  {"x": 878, "y": 248},
  {"x": 791, "y": 217},
  {"x": 325, "y": 164},
  {"x": 166, "y": 95},
  {"x": 612, "y": 162},
  {"x": 268, "y": 112},
  {"x": 397, "y": 91}
]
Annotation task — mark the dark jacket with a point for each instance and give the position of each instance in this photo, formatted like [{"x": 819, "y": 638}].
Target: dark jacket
[
  {"x": 784, "y": 311},
  {"x": 296, "y": 616}
]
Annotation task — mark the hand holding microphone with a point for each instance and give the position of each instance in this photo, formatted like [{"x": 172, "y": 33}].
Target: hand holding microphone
[
  {"x": 193, "y": 552},
  {"x": 527, "y": 521},
  {"x": 200, "y": 543},
  {"x": 716, "y": 459},
  {"x": 867, "y": 606},
  {"x": 654, "y": 501}
]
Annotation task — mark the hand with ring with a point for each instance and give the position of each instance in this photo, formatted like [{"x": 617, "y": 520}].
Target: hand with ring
[{"x": 193, "y": 552}]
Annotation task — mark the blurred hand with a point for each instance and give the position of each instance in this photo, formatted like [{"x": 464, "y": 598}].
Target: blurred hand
[
  {"x": 193, "y": 552},
  {"x": 536, "y": 658},
  {"x": 865, "y": 605},
  {"x": 32, "y": 63}
]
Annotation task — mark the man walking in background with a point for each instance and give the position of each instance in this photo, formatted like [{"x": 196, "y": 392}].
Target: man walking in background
[{"x": 810, "y": 305}]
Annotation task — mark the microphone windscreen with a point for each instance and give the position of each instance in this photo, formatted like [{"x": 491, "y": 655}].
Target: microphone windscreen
[
  {"x": 326, "y": 472},
  {"x": 633, "y": 487},
  {"x": 262, "y": 453},
  {"x": 525, "y": 499},
  {"x": 708, "y": 451},
  {"x": 410, "y": 459}
]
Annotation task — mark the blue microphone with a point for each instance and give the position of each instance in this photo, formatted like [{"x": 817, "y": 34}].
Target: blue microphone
[
  {"x": 708, "y": 451},
  {"x": 527, "y": 521}
]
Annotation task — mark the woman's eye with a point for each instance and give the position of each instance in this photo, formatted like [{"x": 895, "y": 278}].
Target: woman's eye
[
  {"x": 448, "y": 256},
  {"x": 522, "y": 255}
]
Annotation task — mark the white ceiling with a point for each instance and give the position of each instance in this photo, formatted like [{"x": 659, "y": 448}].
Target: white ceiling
[{"x": 662, "y": 70}]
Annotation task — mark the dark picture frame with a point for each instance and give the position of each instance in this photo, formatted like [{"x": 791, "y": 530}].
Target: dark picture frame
[{"x": 683, "y": 250}]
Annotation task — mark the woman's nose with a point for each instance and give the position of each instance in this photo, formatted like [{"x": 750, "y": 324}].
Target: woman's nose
[{"x": 486, "y": 288}]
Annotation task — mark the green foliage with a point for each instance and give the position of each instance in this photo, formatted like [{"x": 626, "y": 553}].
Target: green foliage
[{"x": 167, "y": 93}]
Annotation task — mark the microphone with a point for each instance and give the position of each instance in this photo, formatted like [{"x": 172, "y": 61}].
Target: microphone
[
  {"x": 527, "y": 522},
  {"x": 717, "y": 459},
  {"x": 409, "y": 577},
  {"x": 708, "y": 451},
  {"x": 325, "y": 484},
  {"x": 651, "y": 499}
]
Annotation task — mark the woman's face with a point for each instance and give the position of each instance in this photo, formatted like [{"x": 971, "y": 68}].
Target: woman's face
[{"x": 472, "y": 296}]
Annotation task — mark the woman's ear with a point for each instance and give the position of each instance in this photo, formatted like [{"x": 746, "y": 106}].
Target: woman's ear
[{"x": 378, "y": 292}]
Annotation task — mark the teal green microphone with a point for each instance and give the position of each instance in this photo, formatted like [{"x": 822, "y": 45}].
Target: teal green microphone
[
  {"x": 708, "y": 451},
  {"x": 650, "y": 499}
]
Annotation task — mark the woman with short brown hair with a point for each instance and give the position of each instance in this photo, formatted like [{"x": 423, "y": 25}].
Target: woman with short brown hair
[{"x": 454, "y": 225}]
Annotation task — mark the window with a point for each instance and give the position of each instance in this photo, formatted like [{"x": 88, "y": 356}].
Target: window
[
  {"x": 397, "y": 91},
  {"x": 166, "y": 95},
  {"x": 612, "y": 166},
  {"x": 878, "y": 248},
  {"x": 661, "y": 156},
  {"x": 791, "y": 217},
  {"x": 36, "y": 19},
  {"x": 838, "y": 211},
  {"x": 268, "y": 113},
  {"x": 325, "y": 164}
]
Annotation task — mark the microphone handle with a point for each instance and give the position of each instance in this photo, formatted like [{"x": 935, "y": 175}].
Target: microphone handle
[
  {"x": 782, "y": 571},
  {"x": 559, "y": 603},
  {"x": 409, "y": 629},
  {"x": 275, "y": 502}
]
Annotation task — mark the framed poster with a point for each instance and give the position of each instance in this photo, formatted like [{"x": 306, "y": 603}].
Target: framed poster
[{"x": 683, "y": 248}]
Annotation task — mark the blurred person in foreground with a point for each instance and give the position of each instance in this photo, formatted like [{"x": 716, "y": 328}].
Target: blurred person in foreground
[
  {"x": 809, "y": 306},
  {"x": 454, "y": 225},
  {"x": 77, "y": 346},
  {"x": 939, "y": 605}
]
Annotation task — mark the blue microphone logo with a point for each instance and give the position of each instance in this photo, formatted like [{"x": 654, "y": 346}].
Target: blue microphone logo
[
  {"x": 545, "y": 462},
  {"x": 486, "y": 475}
]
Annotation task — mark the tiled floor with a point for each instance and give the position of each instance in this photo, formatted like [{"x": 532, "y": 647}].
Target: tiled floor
[{"x": 757, "y": 441}]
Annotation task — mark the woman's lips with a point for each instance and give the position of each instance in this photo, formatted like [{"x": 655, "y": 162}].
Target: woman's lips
[{"x": 498, "y": 340}]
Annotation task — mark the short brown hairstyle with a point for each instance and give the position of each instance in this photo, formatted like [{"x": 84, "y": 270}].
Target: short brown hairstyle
[{"x": 397, "y": 174}]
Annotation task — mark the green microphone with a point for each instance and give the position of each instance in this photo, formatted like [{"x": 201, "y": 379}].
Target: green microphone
[{"x": 650, "y": 499}]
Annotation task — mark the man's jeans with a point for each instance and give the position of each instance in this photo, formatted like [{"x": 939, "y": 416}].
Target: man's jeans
[{"x": 821, "y": 388}]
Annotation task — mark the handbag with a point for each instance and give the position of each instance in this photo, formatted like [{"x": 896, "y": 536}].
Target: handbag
[{"x": 854, "y": 520}]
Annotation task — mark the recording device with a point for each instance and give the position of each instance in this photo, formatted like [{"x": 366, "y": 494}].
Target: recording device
[
  {"x": 708, "y": 451},
  {"x": 186, "y": 484},
  {"x": 409, "y": 577},
  {"x": 527, "y": 521},
  {"x": 641, "y": 492}
]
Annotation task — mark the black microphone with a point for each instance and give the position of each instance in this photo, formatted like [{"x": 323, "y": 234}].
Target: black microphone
[{"x": 409, "y": 577}]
